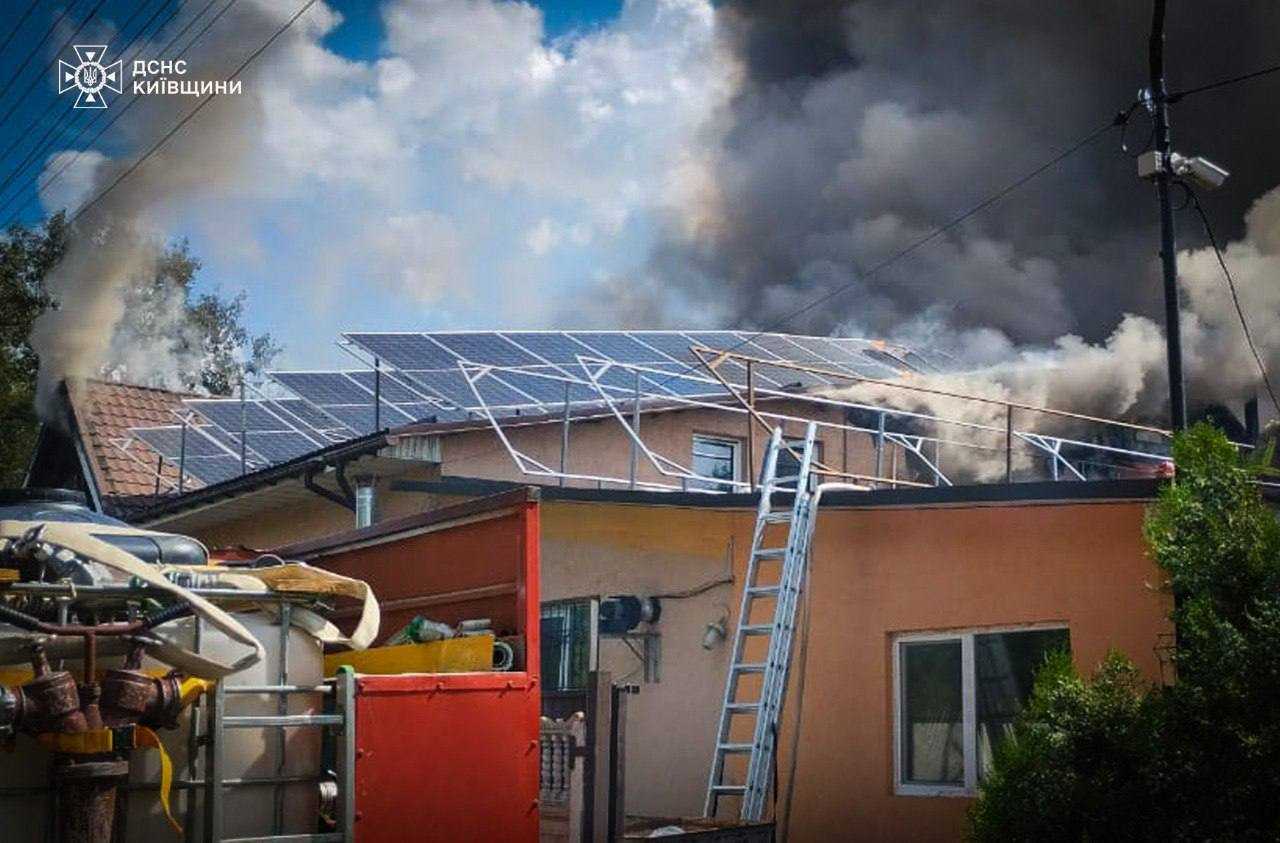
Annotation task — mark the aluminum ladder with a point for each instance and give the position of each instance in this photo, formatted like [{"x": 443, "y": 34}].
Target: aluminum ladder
[{"x": 765, "y": 710}]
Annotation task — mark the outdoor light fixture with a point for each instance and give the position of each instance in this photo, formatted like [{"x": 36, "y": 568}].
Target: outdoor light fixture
[
  {"x": 716, "y": 632},
  {"x": 1201, "y": 172}
]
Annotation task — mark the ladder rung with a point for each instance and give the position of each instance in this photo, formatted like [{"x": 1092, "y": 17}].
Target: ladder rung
[
  {"x": 756, "y": 629},
  {"x": 777, "y": 517},
  {"x": 764, "y": 590},
  {"x": 743, "y": 706},
  {"x": 771, "y": 553},
  {"x": 730, "y": 788},
  {"x": 790, "y": 478},
  {"x": 734, "y": 747},
  {"x": 750, "y": 667}
]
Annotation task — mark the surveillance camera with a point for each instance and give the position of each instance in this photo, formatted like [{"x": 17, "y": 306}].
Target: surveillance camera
[{"x": 1201, "y": 172}]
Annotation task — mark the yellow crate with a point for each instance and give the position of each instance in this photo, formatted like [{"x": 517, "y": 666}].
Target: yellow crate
[{"x": 467, "y": 654}]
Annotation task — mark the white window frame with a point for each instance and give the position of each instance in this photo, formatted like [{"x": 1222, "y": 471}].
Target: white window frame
[
  {"x": 968, "y": 700},
  {"x": 735, "y": 446}
]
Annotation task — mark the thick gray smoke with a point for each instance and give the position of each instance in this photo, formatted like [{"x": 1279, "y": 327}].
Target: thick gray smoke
[
  {"x": 860, "y": 126},
  {"x": 118, "y": 239}
]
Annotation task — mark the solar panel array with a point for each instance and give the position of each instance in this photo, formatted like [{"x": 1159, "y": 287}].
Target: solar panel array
[{"x": 451, "y": 376}]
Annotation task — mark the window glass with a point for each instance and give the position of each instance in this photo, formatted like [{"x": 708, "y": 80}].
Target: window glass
[
  {"x": 1004, "y": 665},
  {"x": 932, "y": 713},
  {"x": 789, "y": 466},
  {"x": 714, "y": 458},
  {"x": 565, "y": 649}
]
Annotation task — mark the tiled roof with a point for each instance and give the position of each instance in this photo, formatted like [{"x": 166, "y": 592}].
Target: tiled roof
[{"x": 104, "y": 412}]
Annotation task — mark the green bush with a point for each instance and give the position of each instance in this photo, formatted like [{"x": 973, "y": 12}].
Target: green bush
[{"x": 1118, "y": 758}]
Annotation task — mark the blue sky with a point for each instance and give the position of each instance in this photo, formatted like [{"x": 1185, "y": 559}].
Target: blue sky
[{"x": 466, "y": 234}]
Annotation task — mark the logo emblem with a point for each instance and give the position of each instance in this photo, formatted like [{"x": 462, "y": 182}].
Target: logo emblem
[{"x": 91, "y": 76}]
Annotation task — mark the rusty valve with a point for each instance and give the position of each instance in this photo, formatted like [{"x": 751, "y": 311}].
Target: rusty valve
[{"x": 131, "y": 696}]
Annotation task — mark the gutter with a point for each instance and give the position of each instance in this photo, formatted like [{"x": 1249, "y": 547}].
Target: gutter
[{"x": 305, "y": 467}]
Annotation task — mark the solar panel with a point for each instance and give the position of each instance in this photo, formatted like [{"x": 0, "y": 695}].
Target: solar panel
[
  {"x": 323, "y": 388},
  {"x": 452, "y": 386},
  {"x": 550, "y": 346},
  {"x": 275, "y": 446},
  {"x": 389, "y": 388},
  {"x": 488, "y": 348},
  {"x": 673, "y": 345},
  {"x": 202, "y": 458},
  {"x": 405, "y": 351},
  {"x": 615, "y": 346}
]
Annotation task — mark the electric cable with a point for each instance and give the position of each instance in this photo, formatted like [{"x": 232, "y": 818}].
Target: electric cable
[
  {"x": 1221, "y": 83},
  {"x": 48, "y": 139},
  {"x": 18, "y": 25},
  {"x": 1235, "y": 298},
  {"x": 35, "y": 49},
  {"x": 187, "y": 119},
  {"x": 53, "y": 62},
  {"x": 120, "y": 113}
]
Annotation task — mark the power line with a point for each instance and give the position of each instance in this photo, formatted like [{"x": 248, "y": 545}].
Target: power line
[
  {"x": 928, "y": 238},
  {"x": 187, "y": 119},
  {"x": 1235, "y": 298},
  {"x": 22, "y": 67},
  {"x": 18, "y": 25},
  {"x": 1222, "y": 83},
  {"x": 70, "y": 162},
  {"x": 52, "y": 62},
  {"x": 48, "y": 138}
]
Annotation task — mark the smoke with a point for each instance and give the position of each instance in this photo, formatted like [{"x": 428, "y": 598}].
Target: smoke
[
  {"x": 859, "y": 127},
  {"x": 117, "y": 239}
]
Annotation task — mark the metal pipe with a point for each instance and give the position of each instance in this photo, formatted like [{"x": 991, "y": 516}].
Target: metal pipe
[
  {"x": 564, "y": 436},
  {"x": 244, "y": 459},
  {"x": 377, "y": 395},
  {"x": 54, "y": 589},
  {"x": 282, "y": 709},
  {"x": 182, "y": 457},
  {"x": 254, "y": 721},
  {"x": 635, "y": 426},
  {"x": 751, "y": 439},
  {"x": 1008, "y": 444},
  {"x": 880, "y": 445}
]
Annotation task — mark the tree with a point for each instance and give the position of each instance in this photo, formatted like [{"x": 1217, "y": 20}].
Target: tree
[
  {"x": 1199, "y": 759},
  {"x": 201, "y": 333}
]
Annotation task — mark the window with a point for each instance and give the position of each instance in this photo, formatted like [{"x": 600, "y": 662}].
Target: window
[
  {"x": 789, "y": 466},
  {"x": 568, "y": 643},
  {"x": 715, "y": 457},
  {"x": 957, "y": 695}
]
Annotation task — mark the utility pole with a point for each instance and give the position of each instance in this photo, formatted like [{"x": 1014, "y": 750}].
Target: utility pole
[{"x": 1157, "y": 103}]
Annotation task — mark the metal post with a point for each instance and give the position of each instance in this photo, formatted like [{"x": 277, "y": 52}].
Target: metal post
[
  {"x": 159, "y": 472},
  {"x": 282, "y": 709},
  {"x": 213, "y": 767},
  {"x": 193, "y": 740},
  {"x": 182, "y": 458},
  {"x": 751, "y": 438},
  {"x": 635, "y": 426},
  {"x": 1008, "y": 443},
  {"x": 880, "y": 445},
  {"x": 243, "y": 424},
  {"x": 1168, "y": 254},
  {"x": 377, "y": 395},
  {"x": 344, "y": 691},
  {"x": 564, "y": 436}
]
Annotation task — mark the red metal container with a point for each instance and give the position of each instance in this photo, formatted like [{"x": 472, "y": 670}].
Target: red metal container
[{"x": 447, "y": 756}]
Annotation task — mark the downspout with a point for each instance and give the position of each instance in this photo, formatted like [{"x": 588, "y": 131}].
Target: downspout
[{"x": 309, "y": 480}]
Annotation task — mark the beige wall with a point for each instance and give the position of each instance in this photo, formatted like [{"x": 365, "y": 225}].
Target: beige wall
[
  {"x": 601, "y": 448},
  {"x": 876, "y": 572}
]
